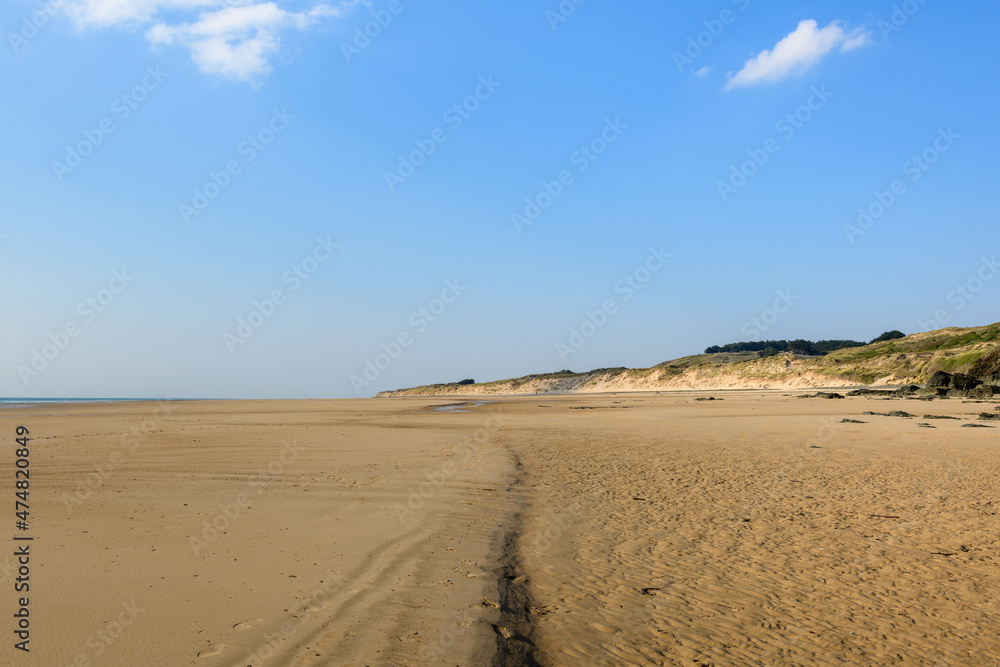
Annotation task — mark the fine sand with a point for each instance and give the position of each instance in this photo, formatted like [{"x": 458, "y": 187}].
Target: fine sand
[{"x": 574, "y": 530}]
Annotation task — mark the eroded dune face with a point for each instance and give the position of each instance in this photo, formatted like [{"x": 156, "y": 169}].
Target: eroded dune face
[{"x": 588, "y": 530}]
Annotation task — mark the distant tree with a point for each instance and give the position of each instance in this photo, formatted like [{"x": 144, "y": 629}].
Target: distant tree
[
  {"x": 827, "y": 346},
  {"x": 467, "y": 382},
  {"x": 800, "y": 346},
  {"x": 889, "y": 335},
  {"x": 768, "y": 352}
]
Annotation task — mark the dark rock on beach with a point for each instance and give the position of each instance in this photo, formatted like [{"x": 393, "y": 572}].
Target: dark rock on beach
[
  {"x": 899, "y": 392},
  {"x": 983, "y": 391},
  {"x": 964, "y": 382},
  {"x": 939, "y": 379}
]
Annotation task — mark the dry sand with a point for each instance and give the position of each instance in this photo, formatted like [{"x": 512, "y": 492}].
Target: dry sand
[{"x": 601, "y": 530}]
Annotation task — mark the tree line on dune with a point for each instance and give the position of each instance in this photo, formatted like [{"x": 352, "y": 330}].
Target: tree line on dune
[{"x": 768, "y": 348}]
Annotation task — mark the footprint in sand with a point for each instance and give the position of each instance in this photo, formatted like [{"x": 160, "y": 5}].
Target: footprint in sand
[
  {"x": 214, "y": 649},
  {"x": 318, "y": 606}
]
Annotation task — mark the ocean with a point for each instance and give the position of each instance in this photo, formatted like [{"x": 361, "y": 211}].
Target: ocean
[{"x": 50, "y": 401}]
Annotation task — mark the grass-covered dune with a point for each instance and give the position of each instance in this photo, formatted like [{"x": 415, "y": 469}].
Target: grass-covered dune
[{"x": 911, "y": 359}]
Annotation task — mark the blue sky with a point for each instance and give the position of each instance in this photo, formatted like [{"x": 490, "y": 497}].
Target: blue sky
[{"x": 261, "y": 150}]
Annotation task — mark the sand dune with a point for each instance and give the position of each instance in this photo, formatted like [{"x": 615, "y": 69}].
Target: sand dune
[
  {"x": 585, "y": 530},
  {"x": 899, "y": 361}
]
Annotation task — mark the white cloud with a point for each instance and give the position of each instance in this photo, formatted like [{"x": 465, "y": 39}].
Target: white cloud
[
  {"x": 803, "y": 47},
  {"x": 857, "y": 37},
  {"x": 703, "y": 72},
  {"x": 126, "y": 13},
  {"x": 232, "y": 38}
]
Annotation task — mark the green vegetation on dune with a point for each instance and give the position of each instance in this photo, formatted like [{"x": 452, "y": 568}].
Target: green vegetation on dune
[
  {"x": 890, "y": 357},
  {"x": 769, "y": 348},
  {"x": 709, "y": 359},
  {"x": 961, "y": 362},
  {"x": 889, "y": 335},
  {"x": 918, "y": 356}
]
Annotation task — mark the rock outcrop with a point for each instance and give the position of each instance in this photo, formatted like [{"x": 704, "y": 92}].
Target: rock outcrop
[
  {"x": 988, "y": 367},
  {"x": 939, "y": 379}
]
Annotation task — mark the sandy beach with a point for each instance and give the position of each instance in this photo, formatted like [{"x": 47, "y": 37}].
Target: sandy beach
[
  {"x": 576, "y": 530},
  {"x": 346, "y": 334}
]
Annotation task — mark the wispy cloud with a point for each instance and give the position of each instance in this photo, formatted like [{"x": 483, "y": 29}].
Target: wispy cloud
[
  {"x": 232, "y": 38},
  {"x": 799, "y": 50}
]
